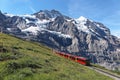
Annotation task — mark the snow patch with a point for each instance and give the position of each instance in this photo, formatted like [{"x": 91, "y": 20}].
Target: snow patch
[
  {"x": 9, "y": 15},
  {"x": 43, "y": 21},
  {"x": 35, "y": 30},
  {"x": 26, "y": 15},
  {"x": 60, "y": 34},
  {"x": 27, "y": 21},
  {"x": 9, "y": 29},
  {"x": 118, "y": 50},
  {"x": 81, "y": 18},
  {"x": 30, "y": 16},
  {"x": 32, "y": 29},
  {"x": 99, "y": 26},
  {"x": 69, "y": 20},
  {"x": 80, "y": 23}
]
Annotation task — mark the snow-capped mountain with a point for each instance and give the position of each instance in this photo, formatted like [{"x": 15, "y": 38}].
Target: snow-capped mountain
[{"x": 80, "y": 36}]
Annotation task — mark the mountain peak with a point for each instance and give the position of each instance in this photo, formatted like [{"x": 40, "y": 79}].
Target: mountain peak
[
  {"x": 82, "y": 18},
  {"x": 46, "y": 14},
  {"x": 53, "y": 10}
]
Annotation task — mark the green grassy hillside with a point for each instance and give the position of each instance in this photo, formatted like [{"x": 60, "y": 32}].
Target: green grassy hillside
[{"x": 23, "y": 60}]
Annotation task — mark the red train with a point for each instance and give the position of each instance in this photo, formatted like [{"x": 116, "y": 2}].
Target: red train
[{"x": 81, "y": 60}]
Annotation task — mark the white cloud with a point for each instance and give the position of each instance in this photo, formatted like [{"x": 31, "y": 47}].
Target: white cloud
[
  {"x": 116, "y": 33},
  {"x": 32, "y": 9}
]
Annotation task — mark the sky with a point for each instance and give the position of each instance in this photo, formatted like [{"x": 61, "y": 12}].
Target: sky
[{"x": 104, "y": 11}]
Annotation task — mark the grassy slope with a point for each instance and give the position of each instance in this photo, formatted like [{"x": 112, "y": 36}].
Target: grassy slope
[{"x": 22, "y": 60}]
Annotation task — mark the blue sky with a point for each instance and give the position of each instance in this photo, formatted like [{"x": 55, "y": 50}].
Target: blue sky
[{"x": 105, "y": 11}]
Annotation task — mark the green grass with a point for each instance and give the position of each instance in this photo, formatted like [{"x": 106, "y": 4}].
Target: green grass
[{"x": 25, "y": 60}]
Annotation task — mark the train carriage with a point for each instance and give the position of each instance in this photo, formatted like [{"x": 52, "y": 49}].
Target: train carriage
[{"x": 81, "y": 60}]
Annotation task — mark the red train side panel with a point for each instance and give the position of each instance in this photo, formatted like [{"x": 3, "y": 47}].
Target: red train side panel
[
  {"x": 78, "y": 59},
  {"x": 81, "y": 61}
]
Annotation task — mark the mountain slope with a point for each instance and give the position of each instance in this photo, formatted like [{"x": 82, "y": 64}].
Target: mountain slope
[
  {"x": 82, "y": 37},
  {"x": 22, "y": 60}
]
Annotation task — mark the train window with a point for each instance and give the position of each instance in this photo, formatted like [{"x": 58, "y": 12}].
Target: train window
[
  {"x": 78, "y": 59},
  {"x": 61, "y": 54},
  {"x": 72, "y": 57},
  {"x": 66, "y": 56}
]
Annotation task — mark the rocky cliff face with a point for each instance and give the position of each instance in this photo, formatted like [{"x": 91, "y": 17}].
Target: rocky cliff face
[{"x": 80, "y": 36}]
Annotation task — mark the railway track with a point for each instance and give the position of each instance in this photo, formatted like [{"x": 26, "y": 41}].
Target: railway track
[{"x": 112, "y": 75}]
